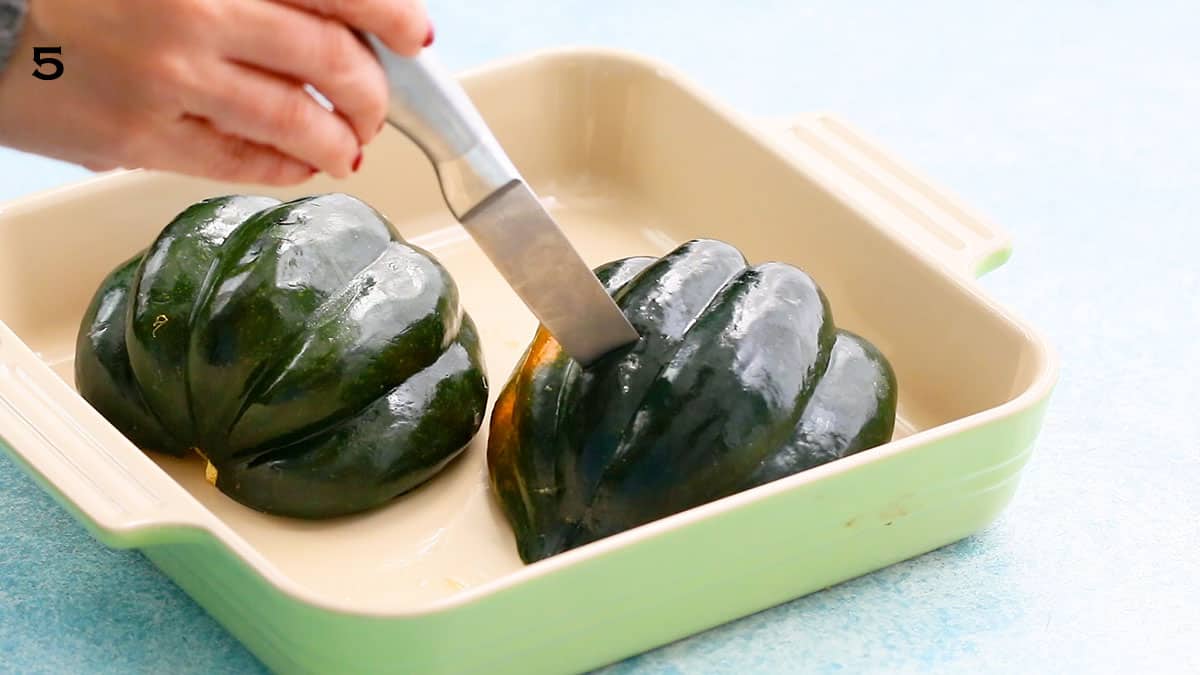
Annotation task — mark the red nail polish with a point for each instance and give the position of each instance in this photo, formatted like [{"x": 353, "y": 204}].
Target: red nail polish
[
  {"x": 429, "y": 36},
  {"x": 357, "y": 162}
]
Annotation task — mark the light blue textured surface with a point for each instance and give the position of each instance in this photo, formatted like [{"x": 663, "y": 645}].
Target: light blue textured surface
[{"x": 1075, "y": 126}]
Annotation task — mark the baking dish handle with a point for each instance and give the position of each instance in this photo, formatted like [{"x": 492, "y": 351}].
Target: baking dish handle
[
  {"x": 922, "y": 213},
  {"x": 110, "y": 485}
]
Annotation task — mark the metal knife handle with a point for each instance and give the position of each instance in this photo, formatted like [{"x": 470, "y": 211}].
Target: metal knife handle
[
  {"x": 431, "y": 108},
  {"x": 486, "y": 193}
]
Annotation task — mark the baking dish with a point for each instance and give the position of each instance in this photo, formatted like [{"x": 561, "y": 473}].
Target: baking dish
[{"x": 633, "y": 160}]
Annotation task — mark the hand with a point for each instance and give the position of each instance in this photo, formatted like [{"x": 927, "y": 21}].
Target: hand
[{"x": 211, "y": 88}]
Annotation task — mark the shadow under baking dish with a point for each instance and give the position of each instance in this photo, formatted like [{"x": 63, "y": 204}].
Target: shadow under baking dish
[{"x": 630, "y": 168}]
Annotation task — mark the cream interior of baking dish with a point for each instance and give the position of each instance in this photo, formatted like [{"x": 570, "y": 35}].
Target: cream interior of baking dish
[{"x": 632, "y": 164}]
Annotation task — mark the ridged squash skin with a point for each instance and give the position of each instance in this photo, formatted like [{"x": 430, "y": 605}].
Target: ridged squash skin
[
  {"x": 740, "y": 378},
  {"x": 320, "y": 363}
]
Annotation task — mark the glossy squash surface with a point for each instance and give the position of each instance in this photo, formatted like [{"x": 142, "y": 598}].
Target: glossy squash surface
[
  {"x": 740, "y": 378},
  {"x": 320, "y": 363}
]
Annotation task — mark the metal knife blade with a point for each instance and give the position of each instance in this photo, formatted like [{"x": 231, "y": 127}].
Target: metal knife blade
[
  {"x": 486, "y": 193},
  {"x": 527, "y": 247}
]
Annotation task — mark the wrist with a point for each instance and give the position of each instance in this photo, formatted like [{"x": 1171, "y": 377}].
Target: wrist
[
  {"x": 21, "y": 100},
  {"x": 13, "y": 14}
]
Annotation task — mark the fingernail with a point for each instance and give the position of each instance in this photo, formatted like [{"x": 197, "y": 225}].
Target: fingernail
[
  {"x": 357, "y": 162},
  {"x": 429, "y": 36}
]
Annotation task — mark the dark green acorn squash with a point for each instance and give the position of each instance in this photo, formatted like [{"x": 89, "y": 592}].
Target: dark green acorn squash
[
  {"x": 319, "y": 363},
  {"x": 740, "y": 378}
]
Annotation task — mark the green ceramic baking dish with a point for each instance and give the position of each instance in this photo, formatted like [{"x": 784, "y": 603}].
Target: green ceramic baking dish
[{"x": 633, "y": 160}]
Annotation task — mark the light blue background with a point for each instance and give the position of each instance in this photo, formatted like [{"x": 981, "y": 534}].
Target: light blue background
[{"x": 1074, "y": 125}]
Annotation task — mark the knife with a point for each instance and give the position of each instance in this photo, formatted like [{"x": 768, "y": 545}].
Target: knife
[{"x": 486, "y": 193}]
